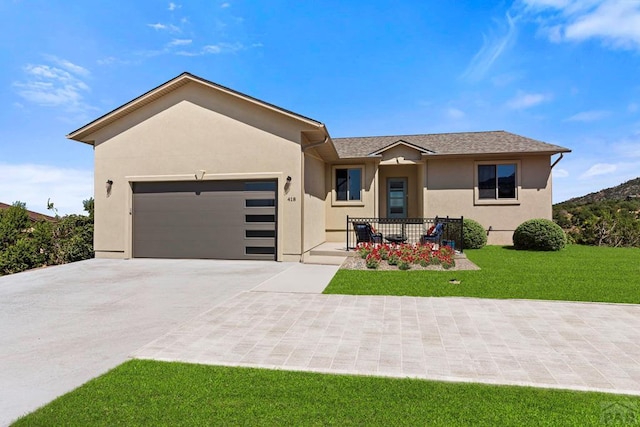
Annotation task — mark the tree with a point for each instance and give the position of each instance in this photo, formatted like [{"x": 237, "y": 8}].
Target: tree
[
  {"x": 26, "y": 244},
  {"x": 13, "y": 221}
]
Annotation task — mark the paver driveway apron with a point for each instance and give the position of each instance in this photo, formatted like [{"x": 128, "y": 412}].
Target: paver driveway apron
[
  {"x": 61, "y": 326},
  {"x": 539, "y": 343}
]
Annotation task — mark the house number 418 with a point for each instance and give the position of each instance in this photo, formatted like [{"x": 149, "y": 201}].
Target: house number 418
[{"x": 291, "y": 199}]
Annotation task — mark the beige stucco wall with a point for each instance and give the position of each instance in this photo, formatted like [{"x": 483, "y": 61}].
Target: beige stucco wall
[
  {"x": 401, "y": 152},
  {"x": 190, "y": 129},
  {"x": 336, "y": 212},
  {"x": 315, "y": 196},
  {"x": 414, "y": 188},
  {"x": 450, "y": 191}
]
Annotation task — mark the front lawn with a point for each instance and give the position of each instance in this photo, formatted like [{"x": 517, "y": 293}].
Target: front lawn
[
  {"x": 159, "y": 393},
  {"x": 576, "y": 273}
]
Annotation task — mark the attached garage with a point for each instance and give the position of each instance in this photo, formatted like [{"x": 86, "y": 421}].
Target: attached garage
[{"x": 205, "y": 219}]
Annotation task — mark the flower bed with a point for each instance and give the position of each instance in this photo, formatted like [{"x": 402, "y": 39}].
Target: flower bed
[{"x": 405, "y": 256}]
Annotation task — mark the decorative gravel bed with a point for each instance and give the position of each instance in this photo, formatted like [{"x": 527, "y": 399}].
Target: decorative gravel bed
[{"x": 358, "y": 263}]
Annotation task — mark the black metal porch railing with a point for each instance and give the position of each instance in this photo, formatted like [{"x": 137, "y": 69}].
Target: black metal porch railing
[{"x": 408, "y": 230}]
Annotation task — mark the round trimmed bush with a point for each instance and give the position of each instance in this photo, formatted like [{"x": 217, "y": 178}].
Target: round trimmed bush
[
  {"x": 473, "y": 234},
  {"x": 539, "y": 235}
]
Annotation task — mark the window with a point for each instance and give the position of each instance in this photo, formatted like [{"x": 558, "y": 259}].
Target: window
[
  {"x": 497, "y": 181},
  {"x": 348, "y": 184},
  {"x": 260, "y": 186}
]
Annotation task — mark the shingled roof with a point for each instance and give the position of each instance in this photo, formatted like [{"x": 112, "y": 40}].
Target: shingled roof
[
  {"x": 33, "y": 216},
  {"x": 492, "y": 142}
]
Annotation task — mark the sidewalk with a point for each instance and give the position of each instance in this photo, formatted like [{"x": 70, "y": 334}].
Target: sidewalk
[{"x": 534, "y": 343}]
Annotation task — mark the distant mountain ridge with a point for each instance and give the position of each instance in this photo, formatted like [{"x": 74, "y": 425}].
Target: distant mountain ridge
[{"x": 627, "y": 189}]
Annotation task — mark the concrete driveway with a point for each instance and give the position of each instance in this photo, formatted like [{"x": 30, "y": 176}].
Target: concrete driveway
[{"x": 61, "y": 326}]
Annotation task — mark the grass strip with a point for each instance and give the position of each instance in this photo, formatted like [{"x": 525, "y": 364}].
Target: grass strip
[
  {"x": 577, "y": 273},
  {"x": 141, "y": 392}
]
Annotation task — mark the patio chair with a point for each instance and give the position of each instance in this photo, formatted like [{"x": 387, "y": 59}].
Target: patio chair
[
  {"x": 365, "y": 233},
  {"x": 435, "y": 236}
]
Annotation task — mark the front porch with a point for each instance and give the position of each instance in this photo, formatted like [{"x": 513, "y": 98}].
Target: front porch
[{"x": 406, "y": 230}]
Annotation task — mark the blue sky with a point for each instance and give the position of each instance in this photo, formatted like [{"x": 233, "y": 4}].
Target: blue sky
[{"x": 561, "y": 71}]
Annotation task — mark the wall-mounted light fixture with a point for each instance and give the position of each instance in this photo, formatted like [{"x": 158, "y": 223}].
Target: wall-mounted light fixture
[
  {"x": 108, "y": 186},
  {"x": 287, "y": 185}
]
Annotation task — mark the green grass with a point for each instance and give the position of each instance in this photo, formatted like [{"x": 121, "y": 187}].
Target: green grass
[
  {"x": 159, "y": 393},
  {"x": 577, "y": 273}
]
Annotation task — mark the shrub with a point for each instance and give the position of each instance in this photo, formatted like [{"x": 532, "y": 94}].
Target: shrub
[
  {"x": 13, "y": 222},
  {"x": 20, "y": 256},
  {"x": 540, "y": 235},
  {"x": 404, "y": 264},
  {"x": 394, "y": 257},
  {"x": 364, "y": 249},
  {"x": 373, "y": 260},
  {"x": 73, "y": 239},
  {"x": 473, "y": 234}
]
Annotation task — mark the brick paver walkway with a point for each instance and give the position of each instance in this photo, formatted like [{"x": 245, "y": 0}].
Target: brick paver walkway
[{"x": 538, "y": 343}]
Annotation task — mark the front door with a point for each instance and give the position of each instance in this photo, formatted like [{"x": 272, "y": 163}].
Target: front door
[{"x": 396, "y": 197}]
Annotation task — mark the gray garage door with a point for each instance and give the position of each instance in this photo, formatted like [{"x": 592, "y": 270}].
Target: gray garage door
[{"x": 205, "y": 219}]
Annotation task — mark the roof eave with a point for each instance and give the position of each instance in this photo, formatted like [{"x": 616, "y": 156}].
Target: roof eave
[
  {"x": 499, "y": 153},
  {"x": 82, "y": 133}
]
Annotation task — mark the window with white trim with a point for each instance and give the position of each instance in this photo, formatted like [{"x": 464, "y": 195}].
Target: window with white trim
[
  {"x": 498, "y": 181},
  {"x": 348, "y": 184}
]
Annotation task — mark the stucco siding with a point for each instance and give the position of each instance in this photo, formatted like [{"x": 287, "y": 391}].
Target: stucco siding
[
  {"x": 336, "y": 213},
  {"x": 410, "y": 172},
  {"x": 450, "y": 191},
  {"x": 189, "y": 130},
  {"x": 315, "y": 196}
]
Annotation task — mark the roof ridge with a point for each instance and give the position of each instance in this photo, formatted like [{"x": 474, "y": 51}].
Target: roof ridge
[
  {"x": 171, "y": 85},
  {"x": 420, "y": 134}
]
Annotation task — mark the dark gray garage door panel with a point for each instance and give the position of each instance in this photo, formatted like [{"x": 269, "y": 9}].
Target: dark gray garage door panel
[{"x": 204, "y": 219}]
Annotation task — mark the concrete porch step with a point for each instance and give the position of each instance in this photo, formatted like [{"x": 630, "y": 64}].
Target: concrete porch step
[
  {"x": 329, "y": 253},
  {"x": 334, "y": 249},
  {"x": 324, "y": 259}
]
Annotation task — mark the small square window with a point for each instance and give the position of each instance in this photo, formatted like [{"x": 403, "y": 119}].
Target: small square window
[
  {"x": 497, "y": 181},
  {"x": 348, "y": 184}
]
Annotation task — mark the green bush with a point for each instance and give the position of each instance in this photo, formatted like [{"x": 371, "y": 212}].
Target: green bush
[
  {"x": 20, "y": 256},
  {"x": 25, "y": 244},
  {"x": 539, "y": 235},
  {"x": 72, "y": 239},
  {"x": 473, "y": 234},
  {"x": 13, "y": 222}
]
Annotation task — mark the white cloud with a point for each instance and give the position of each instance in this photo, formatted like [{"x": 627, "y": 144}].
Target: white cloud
[
  {"x": 107, "y": 61},
  {"x": 615, "y": 22},
  {"x": 560, "y": 173},
  {"x": 493, "y": 46},
  {"x": 454, "y": 113},
  {"x": 213, "y": 48},
  {"x": 524, "y": 100},
  {"x": 164, "y": 27},
  {"x": 33, "y": 184},
  {"x": 68, "y": 65},
  {"x": 632, "y": 107},
  {"x": 222, "y": 48},
  {"x": 599, "y": 169},
  {"x": 589, "y": 116},
  {"x": 49, "y": 86},
  {"x": 225, "y": 5},
  {"x": 628, "y": 148},
  {"x": 179, "y": 42},
  {"x": 172, "y": 6}
]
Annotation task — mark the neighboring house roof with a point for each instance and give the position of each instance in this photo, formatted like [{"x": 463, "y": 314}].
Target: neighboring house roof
[
  {"x": 82, "y": 133},
  {"x": 492, "y": 142},
  {"x": 33, "y": 216}
]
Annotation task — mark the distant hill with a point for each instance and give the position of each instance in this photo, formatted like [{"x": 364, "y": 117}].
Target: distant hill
[{"x": 629, "y": 189}]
